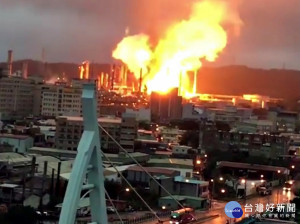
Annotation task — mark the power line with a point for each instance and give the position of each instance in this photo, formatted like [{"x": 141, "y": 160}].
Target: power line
[
  {"x": 118, "y": 214},
  {"x": 121, "y": 175},
  {"x": 118, "y": 144}
]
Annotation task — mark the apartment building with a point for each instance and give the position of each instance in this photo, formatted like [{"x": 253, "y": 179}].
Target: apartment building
[
  {"x": 229, "y": 114},
  {"x": 166, "y": 107},
  {"x": 60, "y": 100},
  {"x": 69, "y": 130},
  {"x": 255, "y": 126},
  {"x": 170, "y": 135},
  {"x": 265, "y": 145},
  {"x": 128, "y": 131},
  {"x": 16, "y": 97}
]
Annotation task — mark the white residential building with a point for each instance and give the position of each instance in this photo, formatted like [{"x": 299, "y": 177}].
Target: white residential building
[
  {"x": 128, "y": 131},
  {"x": 61, "y": 100},
  {"x": 170, "y": 135},
  {"x": 256, "y": 126},
  {"x": 181, "y": 150}
]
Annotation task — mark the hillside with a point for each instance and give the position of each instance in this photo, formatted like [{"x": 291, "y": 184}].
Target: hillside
[
  {"x": 236, "y": 80},
  {"x": 48, "y": 70}
]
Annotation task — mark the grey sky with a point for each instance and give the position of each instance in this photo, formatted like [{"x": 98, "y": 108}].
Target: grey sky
[{"x": 75, "y": 30}]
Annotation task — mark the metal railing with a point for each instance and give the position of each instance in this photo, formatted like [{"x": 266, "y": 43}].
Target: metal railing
[{"x": 135, "y": 220}]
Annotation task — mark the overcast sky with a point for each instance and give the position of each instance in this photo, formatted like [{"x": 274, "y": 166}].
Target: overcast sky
[{"x": 76, "y": 30}]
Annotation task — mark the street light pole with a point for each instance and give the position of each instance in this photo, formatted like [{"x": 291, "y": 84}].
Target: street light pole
[
  {"x": 126, "y": 189},
  {"x": 212, "y": 193}
]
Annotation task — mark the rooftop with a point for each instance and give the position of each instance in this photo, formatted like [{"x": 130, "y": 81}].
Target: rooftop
[
  {"x": 133, "y": 154},
  {"x": 153, "y": 170},
  {"x": 251, "y": 166},
  {"x": 106, "y": 173},
  {"x": 100, "y": 120},
  {"x": 182, "y": 179},
  {"x": 51, "y": 150},
  {"x": 8, "y": 185},
  {"x": 172, "y": 161},
  {"x": 20, "y": 137},
  {"x": 12, "y": 157},
  {"x": 181, "y": 197}
]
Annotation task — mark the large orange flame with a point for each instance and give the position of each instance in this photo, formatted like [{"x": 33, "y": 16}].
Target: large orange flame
[
  {"x": 135, "y": 52},
  {"x": 180, "y": 50}
]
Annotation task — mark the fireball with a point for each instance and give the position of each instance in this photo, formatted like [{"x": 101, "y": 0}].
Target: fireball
[{"x": 181, "y": 48}]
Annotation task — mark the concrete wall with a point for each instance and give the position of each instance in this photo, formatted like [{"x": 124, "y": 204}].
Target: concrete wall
[
  {"x": 186, "y": 189},
  {"x": 141, "y": 176}
]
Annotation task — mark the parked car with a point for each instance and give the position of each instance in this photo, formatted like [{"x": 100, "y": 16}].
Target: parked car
[{"x": 110, "y": 210}]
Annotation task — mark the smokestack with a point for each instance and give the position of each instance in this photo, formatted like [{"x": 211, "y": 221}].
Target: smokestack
[
  {"x": 106, "y": 82},
  {"x": 24, "y": 70},
  {"x": 101, "y": 79},
  {"x": 9, "y": 62},
  {"x": 141, "y": 80},
  {"x": 86, "y": 69},
  {"x": 99, "y": 82},
  {"x": 113, "y": 71},
  {"x": 81, "y": 70}
]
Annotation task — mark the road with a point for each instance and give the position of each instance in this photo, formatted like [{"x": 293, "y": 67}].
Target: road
[{"x": 278, "y": 197}]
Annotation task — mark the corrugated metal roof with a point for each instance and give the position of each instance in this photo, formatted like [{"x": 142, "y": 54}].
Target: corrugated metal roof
[
  {"x": 182, "y": 179},
  {"x": 12, "y": 157},
  {"x": 251, "y": 166},
  {"x": 20, "y": 137},
  {"x": 153, "y": 170},
  {"x": 181, "y": 198}
]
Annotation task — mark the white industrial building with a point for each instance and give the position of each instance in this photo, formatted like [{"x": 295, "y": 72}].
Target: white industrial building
[{"x": 20, "y": 143}]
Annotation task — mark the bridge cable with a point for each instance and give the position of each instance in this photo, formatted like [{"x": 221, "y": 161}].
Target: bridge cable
[
  {"x": 121, "y": 175},
  {"x": 128, "y": 154},
  {"x": 118, "y": 214}
]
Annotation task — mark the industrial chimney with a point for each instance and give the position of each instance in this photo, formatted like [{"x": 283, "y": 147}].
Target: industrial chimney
[
  {"x": 124, "y": 79},
  {"x": 87, "y": 70},
  {"x": 9, "y": 62},
  {"x": 113, "y": 72},
  {"x": 24, "y": 70}
]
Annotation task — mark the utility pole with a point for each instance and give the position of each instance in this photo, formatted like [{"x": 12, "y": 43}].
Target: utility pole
[
  {"x": 52, "y": 182},
  {"x": 32, "y": 173},
  {"x": 58, "y": 179},
  {"x": 43, "y": 185},
  {"x": 201, "y": 132}
]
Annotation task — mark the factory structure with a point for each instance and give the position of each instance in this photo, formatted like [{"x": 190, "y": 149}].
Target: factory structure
[{"x": 22, "y": 94}]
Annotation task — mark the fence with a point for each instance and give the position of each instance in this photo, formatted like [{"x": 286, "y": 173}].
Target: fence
[
  {"x": 145, "y": 218},
  {"x": 135, "y": 220}
]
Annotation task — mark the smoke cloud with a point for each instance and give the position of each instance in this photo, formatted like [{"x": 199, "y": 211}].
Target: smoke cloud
[{"x": 77, "y": 30}]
